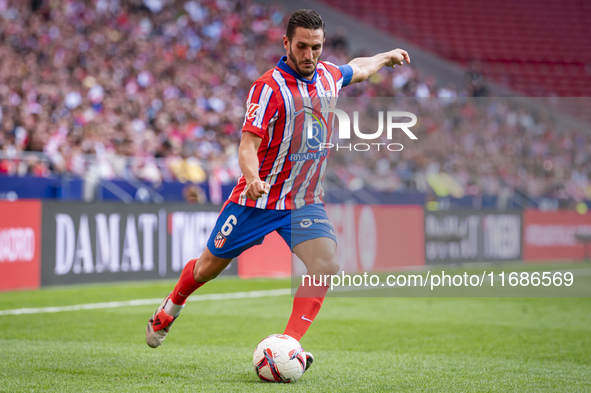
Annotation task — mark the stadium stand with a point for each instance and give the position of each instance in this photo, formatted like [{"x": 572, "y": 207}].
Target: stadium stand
[
  {"x": 116, "y": 93},
  {"x": 534, "y": 47}
]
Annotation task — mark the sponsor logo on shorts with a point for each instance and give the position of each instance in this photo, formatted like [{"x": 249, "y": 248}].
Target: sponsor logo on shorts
[
  {"x": 321, "y": 221},
  {"x": 219, "y": 240},
  {"x": 306, "y": 222}
]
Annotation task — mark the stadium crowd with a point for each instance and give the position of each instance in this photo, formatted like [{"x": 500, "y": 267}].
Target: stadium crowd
[{"x": 155, "y": 90}]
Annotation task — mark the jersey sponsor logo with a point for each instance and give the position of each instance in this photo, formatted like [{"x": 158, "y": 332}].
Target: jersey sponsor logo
[
  {"x": 252, "y": 111},
  {"x": 219, "y": 240},
  {"x": 294, "y": 157}
]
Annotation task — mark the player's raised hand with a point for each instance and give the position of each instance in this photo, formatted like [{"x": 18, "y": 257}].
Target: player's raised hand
[
  {"x": 256, "y": 189},
  {"x": 397, "y": 57}
]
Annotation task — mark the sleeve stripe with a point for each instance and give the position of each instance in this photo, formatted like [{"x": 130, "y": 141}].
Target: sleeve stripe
[
  {"x": 264, "y": 99},
  {"x": 248, "y": 100},
  {"x": 347, "y": 73},
  {"x": 333, "y": 84}
]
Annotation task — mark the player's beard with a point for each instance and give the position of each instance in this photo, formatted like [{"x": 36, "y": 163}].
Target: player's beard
[{"x": 298, "y": 69}]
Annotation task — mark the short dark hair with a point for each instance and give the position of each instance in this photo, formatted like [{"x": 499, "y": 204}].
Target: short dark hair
[{"x": 308, "y": 19}]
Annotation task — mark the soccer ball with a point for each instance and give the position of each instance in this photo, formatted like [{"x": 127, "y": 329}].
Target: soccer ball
[{"x": 279, "y": 358}]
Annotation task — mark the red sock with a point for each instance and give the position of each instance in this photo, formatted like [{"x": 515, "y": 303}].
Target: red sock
[
  {"x": 186, "y": 285},
  {"x": 306, "y": 304}
]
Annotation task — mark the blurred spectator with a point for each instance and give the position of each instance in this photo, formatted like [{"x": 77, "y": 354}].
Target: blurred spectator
[
  {"x": 194, "y": 194},
  {"x": 475, "y": 82}
]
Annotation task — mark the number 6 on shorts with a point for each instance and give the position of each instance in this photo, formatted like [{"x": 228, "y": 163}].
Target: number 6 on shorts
[{"x": 228, "y": 225}]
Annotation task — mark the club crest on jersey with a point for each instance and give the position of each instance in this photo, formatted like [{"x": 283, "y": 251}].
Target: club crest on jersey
[
  {"x": 219, "y": 240},
  {"x": 252, "y": 111}
]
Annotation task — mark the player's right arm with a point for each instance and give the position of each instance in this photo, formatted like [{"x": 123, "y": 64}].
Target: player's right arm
[
  {"x": 249, "y": 164},
  {"x": 261, "y": 111}
]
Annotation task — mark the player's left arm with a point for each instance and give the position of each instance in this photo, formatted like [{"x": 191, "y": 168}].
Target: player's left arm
[{"x": 364, "y": 67}]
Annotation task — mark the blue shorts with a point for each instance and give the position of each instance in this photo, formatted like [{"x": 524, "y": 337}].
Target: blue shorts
[{"x": 240, "y": 227}]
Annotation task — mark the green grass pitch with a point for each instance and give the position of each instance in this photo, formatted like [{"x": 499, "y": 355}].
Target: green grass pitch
[{"x": 361, "y": 344}]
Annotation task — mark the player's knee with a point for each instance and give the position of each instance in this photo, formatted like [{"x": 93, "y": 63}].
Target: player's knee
[
  {"x": 324, "y": 267},
  {"x": 206, "y": 270},
  {"x": 205, "y": 275},
  {"x": 332, "y": 268}
]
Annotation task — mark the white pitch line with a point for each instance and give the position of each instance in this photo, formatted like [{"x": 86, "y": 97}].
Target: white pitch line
[
  {"x": 147, "y": 302},
  {"x": 199, "y": 298}
]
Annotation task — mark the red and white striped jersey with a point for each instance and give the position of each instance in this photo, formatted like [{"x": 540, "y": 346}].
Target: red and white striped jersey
[{"x": 279, "y": 104}]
